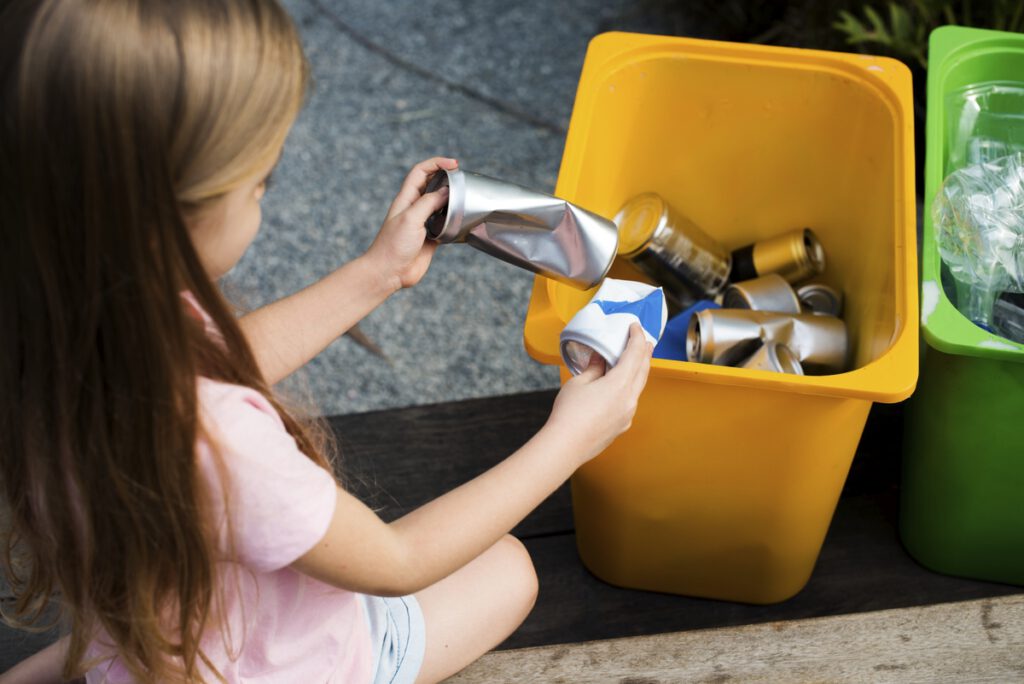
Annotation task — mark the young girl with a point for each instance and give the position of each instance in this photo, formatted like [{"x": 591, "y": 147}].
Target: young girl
[{"x": 190, "y": 528}]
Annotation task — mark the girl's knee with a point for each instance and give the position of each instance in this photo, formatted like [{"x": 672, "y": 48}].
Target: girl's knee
[{"x": 516, "y": 561}]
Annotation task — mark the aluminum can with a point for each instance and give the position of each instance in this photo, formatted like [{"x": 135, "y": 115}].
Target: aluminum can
[
  {"x": 672, "y": 250},
  {"x": 768, "y": 293},
  {"x": 726, "y": 337},
  {"x": 820, "y": 299},
  {"x": 796, "y": 255},
  {"x": 602, "y": 326},
  {"x": 773, "y": 356},
  {"x": 529, "y": 229},
  {"x": 724, "y": 341}
]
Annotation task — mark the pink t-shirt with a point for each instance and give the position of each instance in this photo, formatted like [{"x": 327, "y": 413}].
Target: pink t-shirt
[{"x": 283, "y": 626}]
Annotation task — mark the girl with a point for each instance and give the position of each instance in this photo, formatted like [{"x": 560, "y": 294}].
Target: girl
[{"x": 189, "y": 525}]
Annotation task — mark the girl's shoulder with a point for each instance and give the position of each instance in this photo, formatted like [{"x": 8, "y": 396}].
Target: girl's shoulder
[
  {"x": 239, "y": 424},
  {"x": 224, "y": 404},
  {"x": 279, "y": 501}
]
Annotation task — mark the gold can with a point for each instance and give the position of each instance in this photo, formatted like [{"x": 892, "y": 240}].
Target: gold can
[
  {"x": 672, "y": 250},
  {"x": 796, "y": 255}
]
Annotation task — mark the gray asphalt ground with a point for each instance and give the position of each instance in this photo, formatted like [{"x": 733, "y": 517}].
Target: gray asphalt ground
[{"x": 490, "y": 83}]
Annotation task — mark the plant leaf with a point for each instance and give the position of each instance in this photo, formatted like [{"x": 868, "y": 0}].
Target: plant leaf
[
  {"x": 902, "y": 24},
  {"x": 881, "y": 33},
  {"x": 855, "y": 31}
]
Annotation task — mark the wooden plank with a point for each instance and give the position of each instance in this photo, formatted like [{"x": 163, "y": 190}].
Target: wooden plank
[
  {"x": 977, "y": 641},
  {"x": 399, "y": 459},
  {"x": 396, "y": 460},
  {"x": 862, "y": 567}
]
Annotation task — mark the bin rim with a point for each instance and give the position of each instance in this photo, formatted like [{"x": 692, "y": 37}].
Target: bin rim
[
  {"x": 943, "y": 327},
  {"x": 889, "y": 378}
]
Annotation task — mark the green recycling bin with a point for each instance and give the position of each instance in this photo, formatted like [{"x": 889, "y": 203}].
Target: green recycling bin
[{"x": 962, "y": 501}]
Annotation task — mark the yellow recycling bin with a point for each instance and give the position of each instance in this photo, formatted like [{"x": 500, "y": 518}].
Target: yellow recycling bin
[{"x": 726, "y": 483}]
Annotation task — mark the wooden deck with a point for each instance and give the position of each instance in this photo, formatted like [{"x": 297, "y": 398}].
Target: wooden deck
[{"x": 399, "y": 459}]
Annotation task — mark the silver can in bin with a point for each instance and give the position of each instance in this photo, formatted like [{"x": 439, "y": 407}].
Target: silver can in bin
[
  {"x": 529, "y": 229},
  {"x": 768, "y": 293},
  {"x": 672, "y": 250},
  {"x": 726, "y": 337},
  {"x": 820, "y": 299},
  {"x": 724, "y": 340},
  {"x": 773, "y": 356}
]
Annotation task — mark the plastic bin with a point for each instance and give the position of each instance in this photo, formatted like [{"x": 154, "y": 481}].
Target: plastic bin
[
  {"x": 727, "y": 481},
  {"x": 962, "y": 503}
]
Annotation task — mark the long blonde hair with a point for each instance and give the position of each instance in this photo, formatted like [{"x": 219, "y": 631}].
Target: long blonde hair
[{"x": 121, "y": 119}]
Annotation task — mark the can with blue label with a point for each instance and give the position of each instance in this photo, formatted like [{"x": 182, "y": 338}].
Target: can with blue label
[{"x": 602, "y": 326}]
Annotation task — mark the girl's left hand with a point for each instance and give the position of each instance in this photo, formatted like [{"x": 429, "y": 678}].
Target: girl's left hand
[{"x": 401, "y": 248}]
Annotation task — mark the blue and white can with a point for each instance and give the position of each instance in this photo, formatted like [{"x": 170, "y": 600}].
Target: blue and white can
[{"x": 602, "y": 326}]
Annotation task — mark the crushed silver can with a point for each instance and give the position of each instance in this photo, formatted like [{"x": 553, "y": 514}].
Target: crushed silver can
[
  {"x": 672, "y": 250},
  {"x": 776, "y": 357},
  {"x": 602, "y": 325},
  {"x": 726, "y": 337},
  {"x": 796, "y": 255},
  {"x": 820, "y": 299},
  {"x": 770, "y": 292},
  {"x": 529, "y": 229}
]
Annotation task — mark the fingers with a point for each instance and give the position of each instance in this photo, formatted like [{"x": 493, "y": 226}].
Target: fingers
[
  {"x": 640, "y": 379},
  {"x": 424, "y": 206},
  {"x": 595, "y": 368},
  {"x": 634, "y": 356},
  {"x": 414, "y": 184}
]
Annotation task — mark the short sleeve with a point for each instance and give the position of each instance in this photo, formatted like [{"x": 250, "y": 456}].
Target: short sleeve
[{"x": 279, "y": 502}]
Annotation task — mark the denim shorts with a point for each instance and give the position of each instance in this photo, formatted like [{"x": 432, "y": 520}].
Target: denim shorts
[{"x": 398, "y": 637}]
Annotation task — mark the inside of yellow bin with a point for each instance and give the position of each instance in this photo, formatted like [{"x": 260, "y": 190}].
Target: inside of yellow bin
[{"x": 747, "y": 152}]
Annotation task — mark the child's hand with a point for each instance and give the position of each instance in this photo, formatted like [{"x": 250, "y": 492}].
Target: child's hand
[
  {"x": 401, "y": 249},
  {"x": 595, "y": 407}
]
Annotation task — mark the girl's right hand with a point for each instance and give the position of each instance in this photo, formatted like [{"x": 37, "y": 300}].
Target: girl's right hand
[
  {"x": 595, "y": 407},
  {"x": 401, "y": 250}
]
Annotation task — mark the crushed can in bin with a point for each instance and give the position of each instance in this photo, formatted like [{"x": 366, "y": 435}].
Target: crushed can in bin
[
  {"x": 770, "y": 292},
  {"x": 526, "y": 228},
  {"x": 602, "y": 326},
  {"x": 672, "y": 344},
  {"x": 773, "y": 356},
  {"x": 726, "y": 337}
]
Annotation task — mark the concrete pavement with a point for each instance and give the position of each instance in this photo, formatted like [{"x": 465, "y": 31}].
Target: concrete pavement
[{"x": 491, "y": 83}]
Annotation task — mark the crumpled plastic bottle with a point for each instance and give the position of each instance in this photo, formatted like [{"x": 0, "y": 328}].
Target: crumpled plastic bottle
[
  {"x": 979, "y": 221},
  {"x": 984, "y": 121}
]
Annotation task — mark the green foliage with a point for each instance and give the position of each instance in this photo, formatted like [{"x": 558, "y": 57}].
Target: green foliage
[
  {"x": 900, "y": 34},
  {"x": 905, "y": 28}
]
